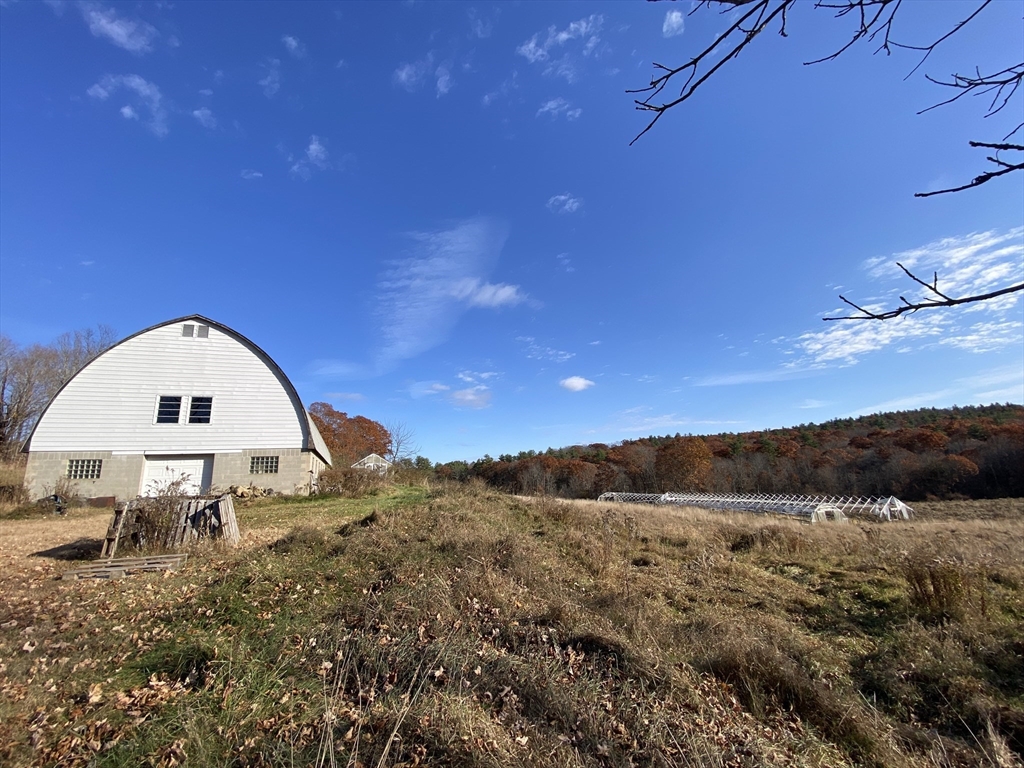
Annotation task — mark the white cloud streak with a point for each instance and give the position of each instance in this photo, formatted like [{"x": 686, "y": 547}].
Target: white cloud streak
[
  {"x": 558, "y": 108},
  {"x": 294, "y": 46},
  {"x": 316, "y": 158},
  {"x": 539, "y": 49},
  {"x": 134, "y": 36},
  {"x": 576, "y": 384},
  {"x": 674, "y": 24},
  {"x": 412, "y": 75},
  {"x": 477, "y": 397},
  {"x": 271, "y": 84},
  {"x": 249, "y": 174},
  {"x": 146, "y": 93},
  {"x": 536, "y": 351},
  {"x": 205, "y": 118},
  {"x": 421, "y": 297},
  {"x": 968, "y": 265},
  {"x": 564, "y": 203}
]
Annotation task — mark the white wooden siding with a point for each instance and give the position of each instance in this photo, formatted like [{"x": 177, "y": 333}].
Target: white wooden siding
[{"x": 111, "y": 404}]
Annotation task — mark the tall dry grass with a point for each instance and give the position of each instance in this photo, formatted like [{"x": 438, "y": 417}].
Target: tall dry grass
[{"x": 471, "y": 628}]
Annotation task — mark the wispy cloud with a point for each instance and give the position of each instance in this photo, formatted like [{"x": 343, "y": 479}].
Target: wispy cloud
[
  {"x": 978, "y": 388},
  {"x": 128, "y": 112},
  {"x": 477, "y": 293},
  {"x": 575, "y": 383},
  {"x": 559, "y": 107},
  {"x": 145, "y": 93},
  {"x": 674, "y": 24},
  {"x": 356, "y": 396},
  {"x": 536, "y": 351},
  {"x": 421, "y": 297},
  {"x": 972, "y": 264},
  {"x": 475, "y": 377},
  {"x": 205, "y": 118},
  {"x": 135, "y": 36},
  {"x": 412, "y": 75},
  {"x": 472, "y": 397},
  {"x": 271, "y": 83},
  {"x": 444, "y": 80},
  {"x": 249, "y": 174},
  {"x": 421, "y": 389},
  {"x": 541, "y": 48},
  {"x": 294, "y": 46},
  {"x": 565, "y": 262},
  {"x": 316, "y": 158},
  {"x": 480, "y": 28},
  {"x": 564, "y": 203},
  {"x": 755, "y": 377},
  {"x": 508, "y": 85}
]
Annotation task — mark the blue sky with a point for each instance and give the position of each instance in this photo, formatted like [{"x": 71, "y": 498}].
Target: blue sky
[{"x": 430, "y": 212}]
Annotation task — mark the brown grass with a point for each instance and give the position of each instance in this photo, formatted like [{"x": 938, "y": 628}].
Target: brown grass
[{"x": 471, "y": 628}]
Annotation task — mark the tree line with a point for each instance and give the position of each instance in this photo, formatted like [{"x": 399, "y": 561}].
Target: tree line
[
  {"x": 31, "y": 375},
  {"x": 973, "y": 452}
]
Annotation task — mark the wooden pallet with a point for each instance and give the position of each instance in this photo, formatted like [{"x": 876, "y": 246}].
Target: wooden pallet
[
  {"x": 197, "y": 518},
  {"x": 120, "y": 567}
]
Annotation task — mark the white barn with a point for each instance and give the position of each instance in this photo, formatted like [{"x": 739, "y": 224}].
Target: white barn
[{"x": 189, "y": 399}]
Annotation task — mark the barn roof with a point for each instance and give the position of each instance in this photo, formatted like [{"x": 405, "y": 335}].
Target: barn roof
[{"x": 312, "y": 439}]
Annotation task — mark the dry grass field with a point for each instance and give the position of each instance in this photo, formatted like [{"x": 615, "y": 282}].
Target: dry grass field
[{"x": 465, "y": 627}]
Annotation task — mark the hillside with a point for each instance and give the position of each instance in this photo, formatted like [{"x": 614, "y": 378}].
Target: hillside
[
  {"x": 460, "y": 626},
  {"x": 972, "y": 452}
]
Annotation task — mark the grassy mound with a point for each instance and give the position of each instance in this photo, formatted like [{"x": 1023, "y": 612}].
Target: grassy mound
[{"x": 467, "y": 627}]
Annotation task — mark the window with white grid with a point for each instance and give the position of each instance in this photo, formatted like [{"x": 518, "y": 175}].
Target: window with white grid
[
  {"x": 263, "y": 465},
  {"x": 84, "y": 469}
]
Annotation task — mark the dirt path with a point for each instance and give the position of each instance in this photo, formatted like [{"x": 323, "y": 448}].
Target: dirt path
[{"x": 40, "y": 548}]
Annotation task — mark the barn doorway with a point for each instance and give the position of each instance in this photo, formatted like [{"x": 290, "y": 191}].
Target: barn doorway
[{"x": 193, "y": 473}]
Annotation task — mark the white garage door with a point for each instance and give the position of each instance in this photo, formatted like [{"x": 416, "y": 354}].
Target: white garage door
[{"x": 194, "y": 472}]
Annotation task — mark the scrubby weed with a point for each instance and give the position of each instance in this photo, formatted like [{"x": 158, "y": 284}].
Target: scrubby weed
[
  {"x": 471, "y": 628},
  {"x": 353, "y": 483},
  {"x": 940, "y": 588}
]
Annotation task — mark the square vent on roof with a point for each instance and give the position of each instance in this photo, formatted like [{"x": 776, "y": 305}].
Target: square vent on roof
[
  {"x": 203, "y": 332},
  {"x": 187, "y": 329}
]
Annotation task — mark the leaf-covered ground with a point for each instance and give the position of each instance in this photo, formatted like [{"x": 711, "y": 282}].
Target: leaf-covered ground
[{"x": 466, "y": 627}]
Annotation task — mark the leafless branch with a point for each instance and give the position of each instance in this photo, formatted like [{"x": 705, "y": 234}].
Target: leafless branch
[
  {"x": 911, "y": 307},
  {"x": 874, "y": 18},
  {"x": 977, "y": 181},
  {"x": 1003, "y": 85},
  {"x": 737, "y": 37}
]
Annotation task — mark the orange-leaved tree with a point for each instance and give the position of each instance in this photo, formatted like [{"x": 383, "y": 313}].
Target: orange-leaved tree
[
  {"x": 684, "y": 465},
  {"x": 349, "y": 438}
]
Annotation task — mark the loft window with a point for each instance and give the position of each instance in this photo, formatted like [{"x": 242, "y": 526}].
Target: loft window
[
  {"x": 187, "y": 329},
  {"x": 84, "y": 469},
  {"x": 263, "y": 465},
  {"x": 203, "y": 331},
  {"x": 199, "y": 410},
  {"x": 168, "y": 410}
]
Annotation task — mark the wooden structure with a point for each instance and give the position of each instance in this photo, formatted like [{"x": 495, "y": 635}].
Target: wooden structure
[
  {"x": 171, "y": 523},
  {"x": 120, "y": 567}
]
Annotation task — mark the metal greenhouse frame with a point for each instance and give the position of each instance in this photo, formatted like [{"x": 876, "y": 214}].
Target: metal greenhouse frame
[{"x": 814, "y": 509}]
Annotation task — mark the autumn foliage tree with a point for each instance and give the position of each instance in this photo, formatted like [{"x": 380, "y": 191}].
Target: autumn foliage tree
[
  {"x": 349, "y": 438},
  {"x": 683, "y": 465}
]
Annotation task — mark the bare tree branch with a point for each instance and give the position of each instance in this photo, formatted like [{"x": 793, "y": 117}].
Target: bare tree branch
[
  {"x": 908, "y": 306},
  {"x": 874, "y": 18},
  {"x": 758, "y": 20}
]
